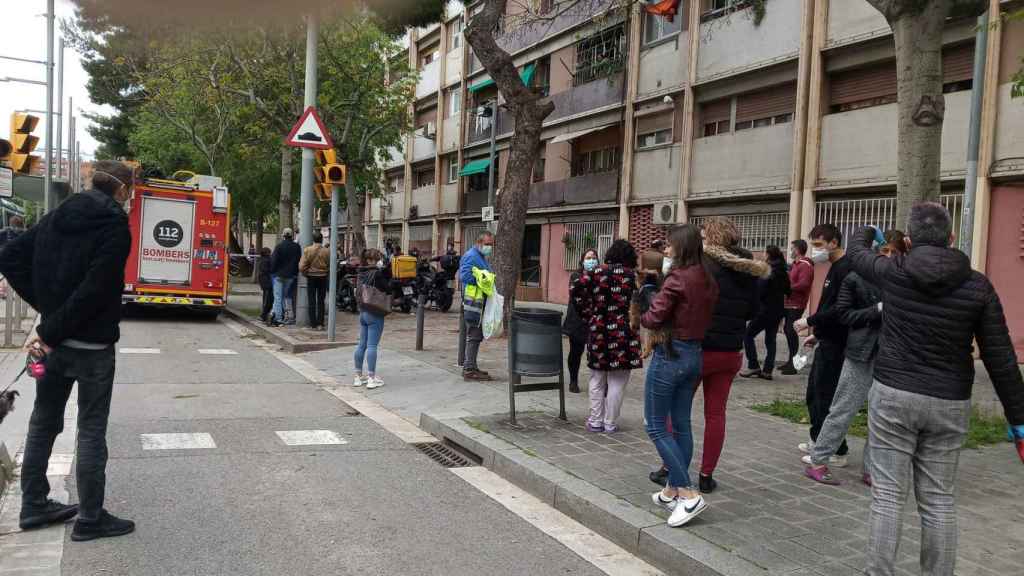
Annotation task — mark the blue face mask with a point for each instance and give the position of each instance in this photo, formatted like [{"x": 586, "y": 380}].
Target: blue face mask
[
  {"x": 590, "y": 264},
  {"x": 486, "y": 250}
]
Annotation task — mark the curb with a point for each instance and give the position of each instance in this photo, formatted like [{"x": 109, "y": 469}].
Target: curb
[
  {"x": 673, "y": 550},
  {"x": 290, "y": 345}
]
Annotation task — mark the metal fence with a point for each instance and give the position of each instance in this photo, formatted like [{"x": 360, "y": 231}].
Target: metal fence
[
  {"x": 16, "y": 311},
  {"x": 758, "y": 230},
  {"x": 848, "y": 215},
  {"x": 581, "y": 236}
]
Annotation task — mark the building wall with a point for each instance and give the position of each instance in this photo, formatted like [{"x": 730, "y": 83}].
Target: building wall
[
  {"x": 1005, "y": 264},
  {"x": 665, "y": 66},
  {"x": 642, "y": 230},
  {"x": 656, "y": 173},
  {"x": 733, "y": 44},
  {"x": 557, "y": 161},
  {"x": 750, "y": 160},
  {"x": 853, "y": 21},
  {"x": 556, "y": 277}
]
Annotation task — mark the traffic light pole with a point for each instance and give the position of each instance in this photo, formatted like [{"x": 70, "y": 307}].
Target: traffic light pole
[
  {"x": 332, "y": 291},
  {"x": 48, "y": 171},
  {"x": 307, "y": 200}
]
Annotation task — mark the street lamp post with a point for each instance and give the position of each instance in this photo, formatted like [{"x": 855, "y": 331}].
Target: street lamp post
[
  {"x": 48, "y": 172},
  {"x": 493, "y": 107}
]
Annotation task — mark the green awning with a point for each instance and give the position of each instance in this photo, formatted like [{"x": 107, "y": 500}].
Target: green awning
[
  {"x": 475, "y": 167},
  {"x": 526, "y": 74}
]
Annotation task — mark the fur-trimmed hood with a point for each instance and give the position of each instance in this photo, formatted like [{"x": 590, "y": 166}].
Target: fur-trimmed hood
[{"x": 739, "y": 260}]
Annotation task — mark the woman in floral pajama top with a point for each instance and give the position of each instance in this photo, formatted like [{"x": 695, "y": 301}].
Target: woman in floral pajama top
[{"x": 603, "y": 297}]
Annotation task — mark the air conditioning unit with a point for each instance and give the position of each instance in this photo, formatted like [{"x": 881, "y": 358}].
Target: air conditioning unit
[
  {"x": 430, "y": 130},
  {"x": 414, "y": 212},
  {"x": 664, "y": 213}
]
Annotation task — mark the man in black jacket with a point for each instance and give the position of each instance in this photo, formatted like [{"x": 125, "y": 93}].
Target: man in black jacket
[
  {"x": 919, "y": 406},
  {"x": 829, "y": 333},
  {"x": 284, "y": 267},
  {"x": 70, "y": 267}
]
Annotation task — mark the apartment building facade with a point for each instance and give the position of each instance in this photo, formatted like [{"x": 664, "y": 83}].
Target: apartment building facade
[{"x": 778, "y": 124}]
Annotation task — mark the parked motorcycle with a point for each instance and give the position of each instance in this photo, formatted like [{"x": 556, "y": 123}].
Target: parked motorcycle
[
  {"x": 404, "y": 293},
  {"x": 347, "y": 281},
  {"x": 436, "y": 284}
]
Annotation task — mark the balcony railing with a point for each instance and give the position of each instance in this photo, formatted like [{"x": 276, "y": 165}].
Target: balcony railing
[
  {"x": 586, "y": 189},
  {"x": 590, "y": 96},
  {"x": 473, "y": 201}
]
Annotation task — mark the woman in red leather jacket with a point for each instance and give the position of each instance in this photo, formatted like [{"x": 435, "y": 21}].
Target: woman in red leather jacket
[{"x": 683, "y": 305}]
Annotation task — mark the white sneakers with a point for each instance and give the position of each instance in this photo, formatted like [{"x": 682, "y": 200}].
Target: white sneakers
[
  {"x": 370, "y": 383},
  {"x": 686, "y": 510},
  {"x": 683, "y": 509},
  {"x": 806, "y": 447},
  {"x": 836, "y": 461},
  {"x": 659, "y": 500}
]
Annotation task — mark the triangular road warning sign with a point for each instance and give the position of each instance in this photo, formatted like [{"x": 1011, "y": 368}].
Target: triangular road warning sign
[{"x": 309, "y": 132}]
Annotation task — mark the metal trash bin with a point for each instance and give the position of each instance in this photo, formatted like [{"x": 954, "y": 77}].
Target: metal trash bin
[{"x": 535, "y": 350}]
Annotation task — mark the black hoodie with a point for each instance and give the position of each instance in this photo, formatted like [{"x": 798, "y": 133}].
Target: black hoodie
[
  {"x": 935, "y": 307},
  {"x": 70, "y": 267}
]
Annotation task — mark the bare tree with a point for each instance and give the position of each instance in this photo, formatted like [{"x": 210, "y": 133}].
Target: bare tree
[{"x": 917, "y": 30}]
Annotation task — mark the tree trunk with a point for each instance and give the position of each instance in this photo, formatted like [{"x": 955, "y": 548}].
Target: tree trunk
[
  {"x": 284, "y": 206},
  {"x": 355, "y": 216},
  {"x": 259, "y": 234},
  {"x": 921, "y": 107},
  {"x": 529, "y": 110}
]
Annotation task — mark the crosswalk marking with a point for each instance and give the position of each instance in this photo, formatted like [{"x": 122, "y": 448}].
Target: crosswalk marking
[
  {"x": 310, "y": 437},
  {"x": 140, "y": 350},
  {"x": 218, "y": 351},
  {"x": 177, "y": 441}
]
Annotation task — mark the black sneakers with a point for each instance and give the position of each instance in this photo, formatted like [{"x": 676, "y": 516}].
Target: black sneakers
[
  {"x": 52, "y": 513},
  {"x": 788, "y": 369},
  {"x": 107, "y": 526},
  {"x": 659, "y": 476},
  {"x": 707, "y": 484}
]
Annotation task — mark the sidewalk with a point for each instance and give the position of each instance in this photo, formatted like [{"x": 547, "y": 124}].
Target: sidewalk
[{"x": 765, "y": 517}]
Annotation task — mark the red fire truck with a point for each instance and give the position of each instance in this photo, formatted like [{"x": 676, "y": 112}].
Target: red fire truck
[{"x": 179, "y": 254}]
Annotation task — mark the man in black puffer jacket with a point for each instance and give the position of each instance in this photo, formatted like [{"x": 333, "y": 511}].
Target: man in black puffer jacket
[
  {"x": 935, "y": 308},
  {"x": 70, "y": 267}
]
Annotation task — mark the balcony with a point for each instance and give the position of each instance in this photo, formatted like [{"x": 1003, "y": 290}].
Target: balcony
[
  {"x": 522, "y": 34},
  {"x": 859, "y": 146},
  {"x": 450, "y": 133},
  {"x": 753, "y": 161},
  {"x": 665, "y": 67},
  {"x": 586, "y": 189},
  {"x": 473, "y": 201},
  {"x": 732, "y": 44},
  {"x": 394, "y": 206},
  {"x": 425, "y": 200},
  {"x": 450, "y": 199},
  {"x": 396, "y": 156},
  {"x": 423, "y": 147},
  {"x": 453, "y": 67},
  {"x": 590, "y": 96},
  {"x": 852, "y": 21},
  {"x": 430, "y": 76},
  {"x": 479, "y": 128},
  {"x": 1009, "y": 139},
  {"x": 656, "y": 173}
]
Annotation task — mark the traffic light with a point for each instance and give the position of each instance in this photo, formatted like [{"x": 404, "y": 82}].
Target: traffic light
[
  {"x": 23, "y": 142},
  {"x": 328, "y": 172}
]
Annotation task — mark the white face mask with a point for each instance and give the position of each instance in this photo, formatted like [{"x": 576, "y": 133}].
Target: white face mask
[
  {"x": 819, "y": 255},
  {"x": 590, "y": 264},
  {"x": 380, "y": 264},
  {"x": 666, "y": 265}
]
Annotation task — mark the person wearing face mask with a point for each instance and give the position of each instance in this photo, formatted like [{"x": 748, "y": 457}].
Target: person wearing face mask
[
  {"x": 829, "y": 333},
  {"x": 473, "y": 302},
  {"x": 70, "y": 267},
  {"x": 574, "y": 327},
  {"x": 801, "y": 280},
  {"x": 860, "y": 305}
]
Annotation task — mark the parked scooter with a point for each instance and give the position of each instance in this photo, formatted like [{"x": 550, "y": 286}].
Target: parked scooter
[
  {"x": 437, "y": 285},
  {"x": 348, "y": 278}
]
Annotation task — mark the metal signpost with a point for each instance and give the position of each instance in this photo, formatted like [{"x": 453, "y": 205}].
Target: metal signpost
[{"x": 332, "y": 291}]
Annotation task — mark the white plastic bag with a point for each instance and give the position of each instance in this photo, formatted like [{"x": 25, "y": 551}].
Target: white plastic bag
[{"x": 493, "y": 311}]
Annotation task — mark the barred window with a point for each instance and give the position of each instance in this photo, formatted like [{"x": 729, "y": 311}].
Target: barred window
[
  {"x": 600, "y": 55},
  {"x": 758, "y": 230},
  {"x": 850, "y": 214},
  {"x": 582, "y": 236}
]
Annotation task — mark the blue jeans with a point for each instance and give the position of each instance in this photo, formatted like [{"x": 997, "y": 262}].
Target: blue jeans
[
  {"x": 370, "y": 329},
  {"x": 668, "y": 392},
  {"x": 282, "y": 293}
]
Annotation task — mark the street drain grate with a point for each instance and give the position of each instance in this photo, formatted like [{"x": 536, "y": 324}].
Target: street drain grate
[{"x": 448, "y": 455}]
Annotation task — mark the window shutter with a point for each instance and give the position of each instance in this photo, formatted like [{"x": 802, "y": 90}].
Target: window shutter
[
  {"x": 863, "y": 84},
  {"x": 958, "y": 63},
  {"x": 716, "y": 110},
  {"x": 654, "y": 122},
  {"x": 766, "y": 103}
]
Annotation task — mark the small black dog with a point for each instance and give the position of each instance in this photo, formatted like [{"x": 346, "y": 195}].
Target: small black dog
[{"x": 7, "y": 403}]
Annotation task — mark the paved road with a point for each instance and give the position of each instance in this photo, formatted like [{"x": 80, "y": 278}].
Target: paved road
[{"x": 244, "y": 502}]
